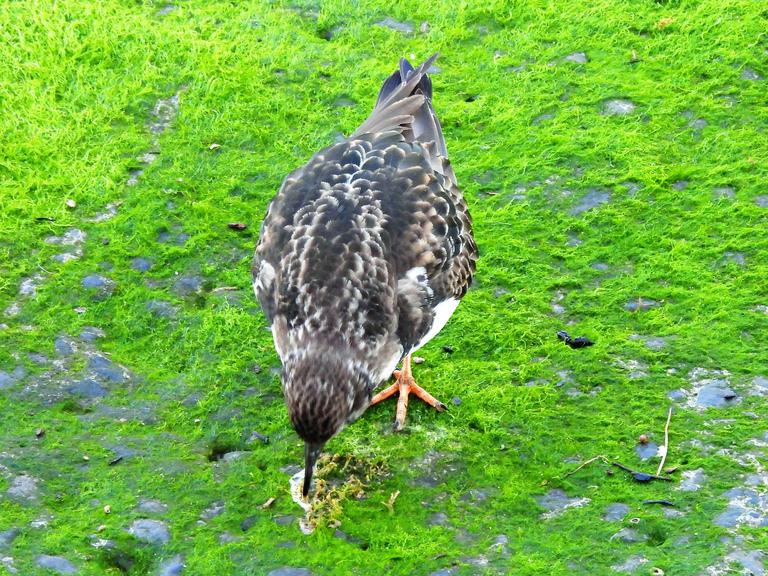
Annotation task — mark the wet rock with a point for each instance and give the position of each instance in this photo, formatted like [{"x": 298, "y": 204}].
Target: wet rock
[
  {"x": 148, "y": 506},
  {"x": 56, "y": 563},
  {"x": 680, "y": 185},
  {"x": 635, "y": 368},
  {"x": 500, "y": 545},
  {"x": 615, "y": 512},
  {"x": 737, "y": 258},
  {"x": 618, "y": 107},
  {"x": 751, "y": 562},
  {"x": 592, "y": 199},
  {"x": 101, "y": 286},
  {"x": 724, "y": 192},
  {"x": 91, "y": 334},
  {"x": 630, "y": 565},
  {"x": 163, "y": 114},
  {"x": 141, "y": 264},
  {"x": 452, "y": 571},
  {"x": 647, "y": 451},
  {"x": 762, "y": 201},
  {"x": 63, "y": 346},
  {"x": 150, "y": 531},
  {"x": 188, "y": 285},
  {"x": 541, "y": 118},
  {"x": 344, "y": 102},
  {"x": 172, "y": 567},
  {"x": 760, "y": 386},
  {"x": 110, "y": 211},
  {"x": 28, "y": 286},
  {"x": 8, "y": 536},
  {"x": 284, "y": 519},
  {"x": 23, "y": 490},
  {"x": 692, "y": 480},
  {"x": 654, "y": 343},
  {"x": 746, "y": 506},
  {"x": 630, "y": 536},
  {"x": 87, "y": 388},
  {"x": 556, "y": 501},
  {"x": 749, "y": 74},
  {"x": 438, "y": 519},
  {"x": 248, "y": 523},
  {"x": 167, "y": 9},
  {"x": 103, "y": 368},
  {"x": 71, "y": 237},
  {"x": 227, "y": 538},
  {"x": 698, "y": 124},
  {"x": 716, "y": 395},
  {"x": 162, "y": 308},
  {"x": 290, "y": 571},
  {"x": 641, "y": 304},
  {"x": 393, "y": 24},
  {"x": 577, "y": 57},
  {"x": 215, "y": 509},
  {"x": 341, "y": 535},
  {"x": 8, "y": 379}
]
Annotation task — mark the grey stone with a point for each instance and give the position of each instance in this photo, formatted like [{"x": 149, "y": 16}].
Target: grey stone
[
  {"x": 162, "y": 308},
  {"x": 164, "y": 11},
  {"x": 724, "y": 192},
  {"x": 749, "y": 74},
  {"x": 737, "y": 258},
  {"x": 393, "y": 24},
  {"x": 290, "y": 571},
  {"x": 284, "y": 519},
  {"x": 341, "y": 535},
  {"x": 172, "y": 567},
  {"x": 23, "y": 489},
  {"x": 8, "y": 536},
  {"x": 149, "y": 506},
  {"x": 541, "y": 118},
  {"x": 630, "y": 536},
  {"x": 618, "y": 107},
  {"x": 577, "y": 57},
  {"x": 102, "y": 286},
  {"x": 692, "y": 480},
  {"x": 698, "y": 124},
  {"x": 37, "y": 358},
  {"x": 215, "y": 509},
  {"x": 150, "y": 531},
  {"x": 640, "y": 304},
  {"x": 87, "y": 388},
  {"x": 631, "y": 564},
  {"x": 104, "y": 368},
  {"x": 163, "y": 114},
  {"x": 602, "y": 266},
  {"x": 344, "y": 102},
  {"x": 761, "y": 201},
  {"x": 680, "y": 185},
  {"x": 141, "y": 264},
  {"x": 647, "y": 451},
  {"x": 760, "y": 385},
  {"x": 63, "y": 346},
  {"x": 109, "y": 212},
  {"x": 56, "y": 563},
  {"x": 615, "y": 512},
  {"x": 752, "y": 561},
  {"x": 452, "y": 571},
  {"x": 592, "y": 199},
  {"x": 227, "y": 538},
  {"x": 188, "y": 285},
  {"x": 91, "y": 334},
  {"x": 676, "y": 395},
  {"x": 438, "y": 519},
  {"x": 556, "y": 501},
  {"x": 716, "y": 395}
]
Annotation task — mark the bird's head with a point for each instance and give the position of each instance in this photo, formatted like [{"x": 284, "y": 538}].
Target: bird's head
[{"x": 324, "y": 391}]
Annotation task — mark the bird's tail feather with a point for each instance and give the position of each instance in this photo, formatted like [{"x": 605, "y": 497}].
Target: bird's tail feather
[{"x": 405, "y": 104}]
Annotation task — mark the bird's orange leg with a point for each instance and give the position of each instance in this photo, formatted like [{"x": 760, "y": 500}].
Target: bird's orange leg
[{"x": 406, "y": 385}]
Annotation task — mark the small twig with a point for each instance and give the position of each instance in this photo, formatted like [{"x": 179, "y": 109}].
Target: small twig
[
  {"x": 390, "y": 504},
  {"x": 665, "y": 448},
  {"x": 603, "y": 458}
]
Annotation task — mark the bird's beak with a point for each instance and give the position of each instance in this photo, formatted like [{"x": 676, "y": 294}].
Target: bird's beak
[{"x": 311, "y": 452}]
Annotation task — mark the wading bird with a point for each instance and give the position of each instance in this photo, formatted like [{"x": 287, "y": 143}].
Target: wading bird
[{"x": 364, "y": 254}]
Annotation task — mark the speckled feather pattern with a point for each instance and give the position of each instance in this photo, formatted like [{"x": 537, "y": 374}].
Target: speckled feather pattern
[{"x": 357, "y": 249}]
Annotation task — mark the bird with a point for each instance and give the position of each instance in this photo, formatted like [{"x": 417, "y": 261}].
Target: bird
[{"x": 363, "y": 255}]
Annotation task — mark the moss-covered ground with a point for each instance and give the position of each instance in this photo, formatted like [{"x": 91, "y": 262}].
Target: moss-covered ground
[{"x": 614, "y": 156}]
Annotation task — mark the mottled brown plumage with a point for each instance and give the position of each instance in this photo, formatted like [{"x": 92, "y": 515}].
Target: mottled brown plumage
[{"x": 363, "y": 255}]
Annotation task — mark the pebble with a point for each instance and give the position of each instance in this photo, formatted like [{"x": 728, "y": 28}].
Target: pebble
[
  {"x": 148, "y": 506},
  {"x": 630, "y": 536},
  {"x": 87, "y": 388},
  {"x": 438, "y": 519},
  {"x": 215, "y": 509},
  {"x": 141, "y": 264},
  {"x": 102, "y": 367},
  {"x": 647, "y": 451},
  {"x": 56, "y": 563},
  {"x": 615, "y": 512},
  {"x": 749, "y": 74},
  {"x": 163, "y": 114},
  {"x": 162, "y": 308},
  {"x": 188, "y": 285},
  {"x": 150, "y": 531},
  {"x": 172, "y": 567},
  {"x": 592, "y": 199},
  {"x": 692, "y": 480},
  {"x": 101, "y": 284},
  {"x": 577, "y": 57},
  {"x": 716, "y": 395},
  {"x": 556, "y": 501},
  {"x": 641, "y": 304},
  {"x": 393, "y": 24},
  {"x": 23, "y": 490},
  {"x": 618, "y": 107},
  {"x": 8, "y": 536},
  {"x": 290, "y": 571}
]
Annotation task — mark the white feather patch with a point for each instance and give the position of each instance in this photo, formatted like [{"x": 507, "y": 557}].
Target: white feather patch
[{"x": 443, "y": 313}]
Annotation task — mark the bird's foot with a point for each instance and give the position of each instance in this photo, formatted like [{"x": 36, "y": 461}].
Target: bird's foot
[{"x": 405, "y": 386}]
